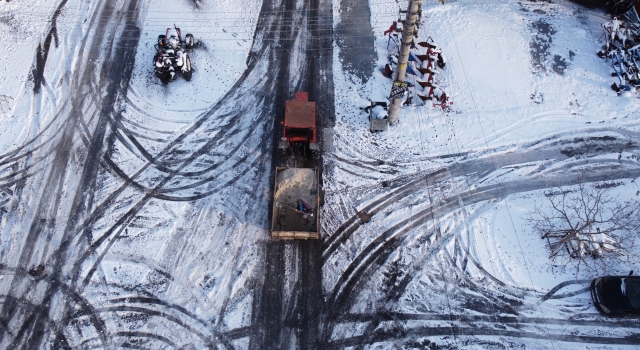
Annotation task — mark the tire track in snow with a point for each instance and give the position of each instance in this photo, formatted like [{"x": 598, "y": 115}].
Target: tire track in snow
[
  {"x": 552, "y": 292},
  {"x": 398, "y": 290},
  {"x": 33, "y": 330},
  {"x": 417, "y": 332},
  {"x": 147, "y": 311},
  {"x": 134, "y": 338},
  {"x": 392, "y": 296},
  {"x": 213, "y": 142},
  {"x": 83, "y": 306},
  {"x": 141, "y": 203},
  {"x": 268, "y": 310},
  {"x": 399, "y": 316},
  {"x": 378, "y": 251},
  {"x": 290, "y": 316},
  {"x": 478, "y": 168},
  {"x": 42, "y": 51}
]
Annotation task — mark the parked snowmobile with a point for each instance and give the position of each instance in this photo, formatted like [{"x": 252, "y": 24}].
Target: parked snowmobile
[{"x": 172, "y": 55}]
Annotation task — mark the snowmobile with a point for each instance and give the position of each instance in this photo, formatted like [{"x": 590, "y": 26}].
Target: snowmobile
[{"x": 172, "y": 55}]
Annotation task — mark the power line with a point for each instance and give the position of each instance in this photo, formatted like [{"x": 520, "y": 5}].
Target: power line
[
  {"x": 321, "y": 25},
  {"x": 172, "y": 12},
  {"x": 245, "y": 39},
  {"x": 171, "y": 21},
  {"x": 497, "y": 180}
]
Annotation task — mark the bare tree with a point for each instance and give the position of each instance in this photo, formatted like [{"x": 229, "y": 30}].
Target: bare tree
[{"x": 587, "y": 226}]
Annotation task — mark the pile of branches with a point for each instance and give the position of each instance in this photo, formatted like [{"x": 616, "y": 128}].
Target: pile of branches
[{"x": 587, "y": 226}]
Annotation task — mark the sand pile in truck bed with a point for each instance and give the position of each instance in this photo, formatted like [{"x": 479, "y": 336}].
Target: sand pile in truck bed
[{"x": 294, "y": 184}]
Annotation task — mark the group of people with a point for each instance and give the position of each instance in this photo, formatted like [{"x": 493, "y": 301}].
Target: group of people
[
  {"x": 425, "y": 72},
  {"x": 620, "y": 48}
]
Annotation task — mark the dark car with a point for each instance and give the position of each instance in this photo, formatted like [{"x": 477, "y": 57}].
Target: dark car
[{"x": 616, "y": 295}]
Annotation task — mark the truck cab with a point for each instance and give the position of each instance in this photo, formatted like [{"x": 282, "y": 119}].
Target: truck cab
[{"x": 299, "y": 125}]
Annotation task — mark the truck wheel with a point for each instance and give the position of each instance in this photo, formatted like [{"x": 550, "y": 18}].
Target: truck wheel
[{"x": 189, "y": 41}]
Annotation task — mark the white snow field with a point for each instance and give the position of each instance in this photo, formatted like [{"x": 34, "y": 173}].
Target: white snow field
[
  {"x": 150, "y": 263},
  {"x": 447, "y": 258},
  {"x": 134, "y": 214}
]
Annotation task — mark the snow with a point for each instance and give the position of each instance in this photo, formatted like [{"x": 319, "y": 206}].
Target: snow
[
  {"x": 195, "y": 256},
  {"x": 523, "y": 77},
  {"x": 489, "y": 78},
  {"x": 424, "y": 232}
]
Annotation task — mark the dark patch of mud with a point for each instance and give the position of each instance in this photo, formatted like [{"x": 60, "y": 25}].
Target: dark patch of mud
[
  {"x": 540, "y": 44},
  {"x": 559, "y": 64},
  {"x": 37, "y": 271},
  {"x": 608, "y": 184},
  {"x": 364, "y": 217},
  {"x": 598, "y": 144}
]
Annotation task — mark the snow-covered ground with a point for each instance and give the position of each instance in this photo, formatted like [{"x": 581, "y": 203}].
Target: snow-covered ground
[
  {"x": 103, "y": 168},
  {"x": 135, "y": 213},
  {"x": 448, "y": 192}
]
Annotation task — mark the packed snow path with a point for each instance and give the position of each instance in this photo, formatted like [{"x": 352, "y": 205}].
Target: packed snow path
[
  {"x": 425, "y": 244},
  {"x": 135, "y": 214},
  {"x": 152, "y": 206},
  {"x": 108, "y": 239},
  {"x": 463, "y": 184}
]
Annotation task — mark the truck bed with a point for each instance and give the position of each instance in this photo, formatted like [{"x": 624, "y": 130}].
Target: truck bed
[{"x": 290, "y": 185}]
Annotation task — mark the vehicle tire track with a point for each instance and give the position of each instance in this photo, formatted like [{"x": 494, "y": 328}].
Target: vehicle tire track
[
  {"x": 34, "y": 330},
  {"x": 400, "y": 316},
  {"x": 377, "y": 252},
  {"x": 475, "y": 168},
  {"x": 267, "y": 313},
  {"x": 42, "y": 51},
  {"x": 552, "y": 292},
  {"x": 417, "y": 332},
  {"x": 84, "y": 306}
]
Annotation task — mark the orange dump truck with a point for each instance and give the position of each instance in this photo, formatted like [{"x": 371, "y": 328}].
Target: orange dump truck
[{"x": 296, "y": 199}]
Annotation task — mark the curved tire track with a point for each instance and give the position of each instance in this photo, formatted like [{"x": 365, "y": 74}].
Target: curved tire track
[{"x": 377, "y": 252}]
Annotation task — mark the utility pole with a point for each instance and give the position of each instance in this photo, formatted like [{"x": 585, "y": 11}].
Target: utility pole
[{"x": 403, "y": 59}]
